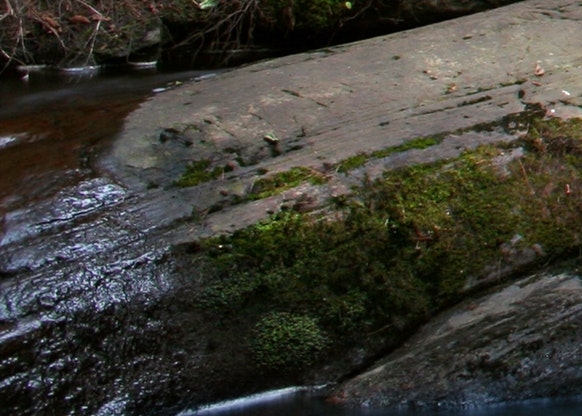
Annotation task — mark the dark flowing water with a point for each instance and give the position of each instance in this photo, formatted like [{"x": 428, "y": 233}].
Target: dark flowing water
[
  {"x": 290, "y": 402},
  {"x": 52, "y": 131}
]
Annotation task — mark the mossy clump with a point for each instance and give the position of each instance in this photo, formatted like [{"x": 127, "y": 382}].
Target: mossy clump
[
  {"x": 405, "y": 245},
  {"x": 286, "y": 342},
  {"x": 353, "y": 162},
  {"x": 281, "y": 181},
  {"x": 339, "y": 271},
  {"x": 360, "y": 159},
  {"x": 198, "y": 172}
]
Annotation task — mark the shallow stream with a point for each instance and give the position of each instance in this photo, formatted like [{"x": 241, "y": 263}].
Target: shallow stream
[{"x": 53, "y": 125}]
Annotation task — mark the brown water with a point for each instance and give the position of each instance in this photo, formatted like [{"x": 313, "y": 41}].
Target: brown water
[{"x": 53, "y": 126}]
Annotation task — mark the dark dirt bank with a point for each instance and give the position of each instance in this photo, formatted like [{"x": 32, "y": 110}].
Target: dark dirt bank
[{"x": 77, "y": 33}]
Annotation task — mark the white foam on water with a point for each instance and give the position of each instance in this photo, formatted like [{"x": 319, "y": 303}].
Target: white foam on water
[
  {"x": 252, "y": 400},
  {"x": 80, "y": 69},
  {"x": 31, "y": 68},
  {"x": 6, "y": 141},
  {"x": 139, "y": 65}
]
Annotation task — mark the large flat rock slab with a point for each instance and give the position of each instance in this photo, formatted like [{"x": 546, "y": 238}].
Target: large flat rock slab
[
  {"x": 519, "y": 343},
  {"x": 94, "y": 264},
  {"x": 330, "y": 104}
]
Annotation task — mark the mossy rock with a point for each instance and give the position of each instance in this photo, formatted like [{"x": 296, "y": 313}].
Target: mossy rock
[
  {"x": 407, "y": 244},
  {"x": 287, "y": 342}
]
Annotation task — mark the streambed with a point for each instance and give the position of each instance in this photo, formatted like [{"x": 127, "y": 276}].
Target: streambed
[{"x": 94, "y": 313}]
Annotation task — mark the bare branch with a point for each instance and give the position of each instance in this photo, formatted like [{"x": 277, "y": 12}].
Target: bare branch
[
  {"x": 9, "y": 10},
  {"x": 227, "y": 27},
  {"x": 92, "y": 40},
  {"x": 94, "y": 10}
]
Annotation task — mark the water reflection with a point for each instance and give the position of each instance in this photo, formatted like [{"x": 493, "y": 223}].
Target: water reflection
[
  {"x": 44, "y": 89},
  {"x": 303, "y": 402},
  {"x": 286, "y": 402},
  {"x": 53, "y": 126}
]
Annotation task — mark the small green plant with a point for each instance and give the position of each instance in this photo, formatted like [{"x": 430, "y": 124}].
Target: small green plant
[
  {"x": 353, "y": 162},
  {"x": 198, "y": 172},
  {"x": 287, "y": 342},
  {"x": 418, "y": 143}
]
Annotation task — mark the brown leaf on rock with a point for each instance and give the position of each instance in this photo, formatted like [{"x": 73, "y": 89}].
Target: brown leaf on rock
[{"x": 51, "y": 22}]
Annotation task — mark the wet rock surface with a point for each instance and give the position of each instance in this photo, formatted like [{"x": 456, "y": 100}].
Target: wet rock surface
[
  {"x": 96, "y": 289},
  {"x": 520, "y": 343},
  {"x": 97, "y": 314}
]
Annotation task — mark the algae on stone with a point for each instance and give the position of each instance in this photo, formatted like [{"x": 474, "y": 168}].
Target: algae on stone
[{"x": 360, "y": 159}]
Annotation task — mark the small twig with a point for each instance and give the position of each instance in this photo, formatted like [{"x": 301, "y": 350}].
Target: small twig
[
  {"x": 92, "y": 40},
  {"x": 21, "y": 37},
  {"x": 9, "y": 10},
  {"x": 94, "y": 10},
  {"x": 385, "y": 327},
  {"x": 362, "y": 10},
  {"x": 227, "y": 26},
  {"x": 532, "y": 191}
]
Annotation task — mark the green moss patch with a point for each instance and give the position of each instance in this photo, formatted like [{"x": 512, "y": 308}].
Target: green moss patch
[
  {"x": 286, "y": 342},
  {"x": 360, "y": 159},
  {"x": 281, "y": 181},
  {"x": 405, "y": 245},
  {"x": 199, "y": 172}
]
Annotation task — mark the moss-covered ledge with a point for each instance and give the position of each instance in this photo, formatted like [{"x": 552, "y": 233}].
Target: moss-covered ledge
[{"x": 375, "y": 263}]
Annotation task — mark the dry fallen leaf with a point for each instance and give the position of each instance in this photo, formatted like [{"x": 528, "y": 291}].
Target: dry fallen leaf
[
  {"x": 451, "y": 88},
  {"x": 51, "y": 22},
  {"x": 79, "y": 19}
]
